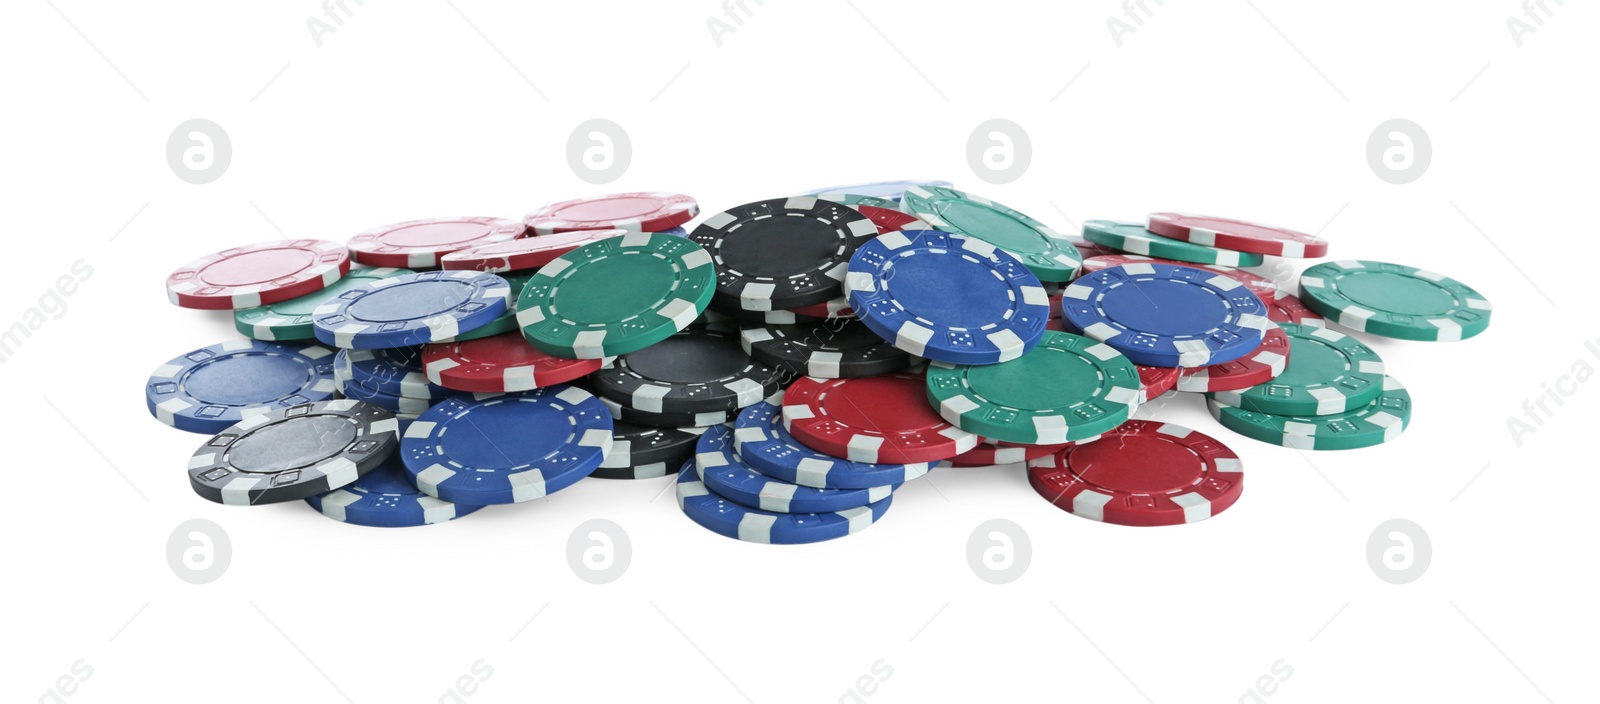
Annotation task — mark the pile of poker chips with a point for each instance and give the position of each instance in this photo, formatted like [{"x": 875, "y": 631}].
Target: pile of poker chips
[{"x": 793, "y": 361}]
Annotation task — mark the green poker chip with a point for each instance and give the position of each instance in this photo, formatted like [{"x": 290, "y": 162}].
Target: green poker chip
[
  {"x": 1131, "y": 237},
  {"x": 291, "y": 319},
  {"x": 1065, "y": 389},
  {"x": 1329, "y": 372},
  {"x": 1393, "y": 300},
  {"x": 1381, "y": 420},
  {"x": 1047, "y": 253},
  {"x": 507, "y": 321},
  {"x": 616, "y": 296}
]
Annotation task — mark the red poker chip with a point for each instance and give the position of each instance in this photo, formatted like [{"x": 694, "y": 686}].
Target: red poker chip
[
  {"x": 890, "y": 220},
  {"x": 1258, "y": 367},
  {"x": 1237, "y": 235},
  {"x": 836, "y": 308},
  {"x": 1284, "y": 307},
  {"x": 419, "y": 244},
  {"x": 504, "y": 362},
  {"x": 880, "y": 419},
  {"x": 1261, "y": 285},
  {"x": 989, "y": 452},
  {"x": 258, "y": 274},
  {"x": 1089, "y": 249},
  {"x": 1144, "y": 473},
  {"x": 525, "y": 253},
  {"x": 1155, "y": 381},
  {"x": 631, "y": 212},
  {"x": 1055, "y": 322}
]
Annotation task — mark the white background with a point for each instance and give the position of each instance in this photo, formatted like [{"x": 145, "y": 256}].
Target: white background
[{"x": 419, "y": 109}]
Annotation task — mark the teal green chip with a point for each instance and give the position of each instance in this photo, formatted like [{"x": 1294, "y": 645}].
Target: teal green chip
[
  {"x": 1131, "y": 237},
  {"x": 1047, "y": 253},
  {"x": 291, "y": 319},
  {"x": 1328, "y": 372},
  {"x": 1381, "y": 420},
  {"x": 1394, "y": 300}
]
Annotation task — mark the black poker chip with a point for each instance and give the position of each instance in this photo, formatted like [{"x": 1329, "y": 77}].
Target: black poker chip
[
  {"x": 698, "y": 370},
  {"x": 292, "y": 453},
  {"x": 643, "y": 452},
  {"x": 844, "y": 348},
  {"x": 667, "y": 420},
  {"x": 782, "y": 253}
]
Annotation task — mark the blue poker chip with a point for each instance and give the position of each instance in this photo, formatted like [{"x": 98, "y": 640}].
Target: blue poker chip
[
  {"x": 399, "y": 405},
  {"x": 763, "y": 444},
  {"x": 729, "y": 477},
  {"x": 386, "y": 498},
  {"x": 1161, "y": 315},
  {"x": 411, "y": 309},
  {"x": 730, "y": 519},
  {"x": 396, "y": 371},
  {"x": 947, "y": 297},
  {"x": 891, "y": 190},
  {"x": 507, "y": 448},
  {"x": 675, "y": 232},
  {"x": 211, "y": 388}
]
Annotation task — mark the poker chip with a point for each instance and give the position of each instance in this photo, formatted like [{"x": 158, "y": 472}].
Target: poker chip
[
  {"x": 666, "y": 420},
  {"x": 522, "y": 254},
  {"x": 879, "y": 419},
  {"x": 1167, "y": 316},
  {"x": 887, "y": 219},
  {"x": 1284, "y": 307},
  {"x": 1381, "y": 420},
  {"x": 616, "y": 296},
  {"x": 398, "y": 405},
  {"x": 890, "y": 190},
  {"x": 1394, "y": 300},
  {"x": 291, "y": 319},
  {"x": 836, "y": 308},
  {"x": 257, "y": 274},
  {"x": 1047, "y": 253},
  {"x": 292, "y": 453},
  {"x": 1261, "y": 285},
  {"x": 675, "y": 232},
  {"x": 655, "y": 450},
  {"x": 396, "y": 371},
  {"x": 1089, "y": 250},
  {"x": 386, "y": 498},
  {"x": 1056, "y": 322},
  {"x": 761, "y": 441},
  {"x": 1144, "y": 473},
  {"x": 214, "y": 387},
  {"x": 1066, "y": 389},
  {"x": 694, "y": 371},
  {"x": 419, "y": 244},
  {"x": 834, "y": 349},
  {"x": 725, "y": 474},
  {"x": 947, "y": 297},
  {"x": 412, "y": 309},
  {"x": 1258, "y": 367},
  {"x": 1155, "y": 381},
  {"x": 989, "y": 453},
  {"x": 630, "y": 212},
  {"x": 1328, "y": 372},
  {"x": 506, "y": 448},
  {"x": 504, "y": 322},
  {"x": 1133, "y": 238},
  {"x": 764, "y": 317},
  {"x": 1237, "y": 235},
  {"x": 782, "y": 253},
  {"x": 501, "y": 363},
  {"x": 732, "y": 520}
]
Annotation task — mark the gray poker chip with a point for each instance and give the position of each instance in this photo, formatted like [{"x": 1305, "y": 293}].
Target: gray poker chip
[{"x": 294, "y": 453}]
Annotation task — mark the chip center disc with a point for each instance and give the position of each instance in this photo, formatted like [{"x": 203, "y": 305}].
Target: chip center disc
[
  {"x": 246, "y": 379},
  {"x": 855, "y": 404},
  {"x": 1039, "y": 380},
  {"x": 687, "y": 360},
  {"x": 412, "y": 300},
  {"x": 435, "y": 233},
  {"x": 1164, "y": 307},
  {"x": 1137, "y": 464},
  {"x": 1312, "y": 362},
  {"x": 779, "y": 246},
  {"x": 609, "y": 209},
  {"x": 505, "y": 435},
  {"x": 1396, "y": 293},
  {"x": 291, "y": 444},
  {"x": 614, "y": 289},
  {"x": 951, "y": 290},
  {"x": 993, "y": 226},
  {"x": 257, "y": 267}
]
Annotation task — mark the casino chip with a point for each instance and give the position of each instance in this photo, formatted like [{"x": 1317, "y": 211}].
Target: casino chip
[
  {"x": 419, "y": 244},
  {"x": 630, "y": 212},
  {"x": 834, "y": 349},
  {"x": 398, "y": 405},
  {"x": 642, "y": 452},
  {"x": 729, "y": 519},
  {"x": 616, "y": 296},
  {"x": 1237, "y": 235},
  {"x": 386, "y": 498},
  {"x": 782, "y": 253},
  {"x": 888, "y": 220},
  {"x": 505, "y": 322},
  {"x": 881, "y": 419},
  {"x": 1089, "y": 250},
  {"x": 1155, "y": 381},
  {"x": 889, "y": 190},
  {"x": 1380, "y": 421},
  {"x": 504, "y": 362},
  {"x": 1328, "y": 372},
  {"x": 291, "y": 319},
  {"x": 521, "y": 254},
  {"x": 1066, "y": 389},
  {"x": 729, "y": 477},
  {"x": 1283, "y": 307},
  {"x": 1258, "y": 367},
  {"x": 214, "y": 387},
  {"x": 1133, "y": 238},
  {"x": 412, "y": 309},
  {"x": 257, "y": 274},
  {"x": 1261, "y": 285},
  {"x": 1145, "y": 473},
  {"x": 1394, "y": 300},
  {"x": 836, "y": 308},
  {"x": 695, "y": 371},
  {"x": 1047, "y": 253},
  {"x": 667, "y": 420},
  {"x": 507, "y": 448},
  {"x": 947, "y": 297},
  {"x": 292, "y": 453},
  {"x": 987, "y": 453},
  {"x": 396, "y": 371},
  {"x": 763, "y": 444},
  {"x": 675, "y": 232},
  {"x": 1167, "y": 316}
]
